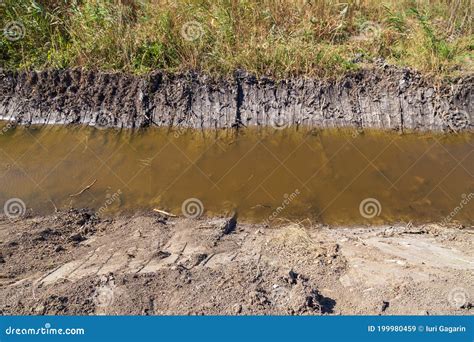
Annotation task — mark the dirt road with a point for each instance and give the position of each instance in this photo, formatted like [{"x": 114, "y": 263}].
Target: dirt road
[{"x": 149, "y": 264}]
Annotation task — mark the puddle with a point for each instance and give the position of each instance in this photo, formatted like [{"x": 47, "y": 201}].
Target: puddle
[{"x": 336, "y": 177}]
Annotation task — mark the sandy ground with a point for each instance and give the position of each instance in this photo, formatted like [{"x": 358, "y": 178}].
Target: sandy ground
[{"x": 148, "y": 264}]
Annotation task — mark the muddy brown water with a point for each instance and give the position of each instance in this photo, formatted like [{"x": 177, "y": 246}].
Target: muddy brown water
[{"x": 329, "y": 176}]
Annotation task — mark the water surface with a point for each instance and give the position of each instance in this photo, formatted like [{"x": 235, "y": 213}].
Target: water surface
[{"x": 322, "y": 175}]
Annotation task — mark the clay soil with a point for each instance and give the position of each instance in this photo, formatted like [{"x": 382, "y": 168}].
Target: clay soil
[{"x": 148, "y": 264}]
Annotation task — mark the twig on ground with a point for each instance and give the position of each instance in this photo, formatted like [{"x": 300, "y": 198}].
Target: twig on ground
[
  {"x": 164, "y": 213},
  {"x": 85, "y": 189}
]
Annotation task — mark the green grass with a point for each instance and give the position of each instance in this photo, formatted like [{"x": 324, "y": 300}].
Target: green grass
[{"x": 278, "y": 38}]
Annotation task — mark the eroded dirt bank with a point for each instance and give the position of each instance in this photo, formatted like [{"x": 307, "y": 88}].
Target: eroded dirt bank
[
  {"x": 381, "y": 97},
  {"x": 149, "y": 264}
]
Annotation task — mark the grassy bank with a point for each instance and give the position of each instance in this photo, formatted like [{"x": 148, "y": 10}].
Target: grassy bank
[{"x": 272, "y": 37}]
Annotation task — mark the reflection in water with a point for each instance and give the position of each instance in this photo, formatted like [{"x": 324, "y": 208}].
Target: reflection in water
[{"x": 337, "y": 177}]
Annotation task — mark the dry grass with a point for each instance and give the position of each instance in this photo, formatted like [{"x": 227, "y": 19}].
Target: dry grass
[{"x": 272, "y": 37}]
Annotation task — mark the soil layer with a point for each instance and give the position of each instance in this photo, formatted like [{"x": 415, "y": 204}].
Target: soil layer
[{"x": 381, "y": 97}]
